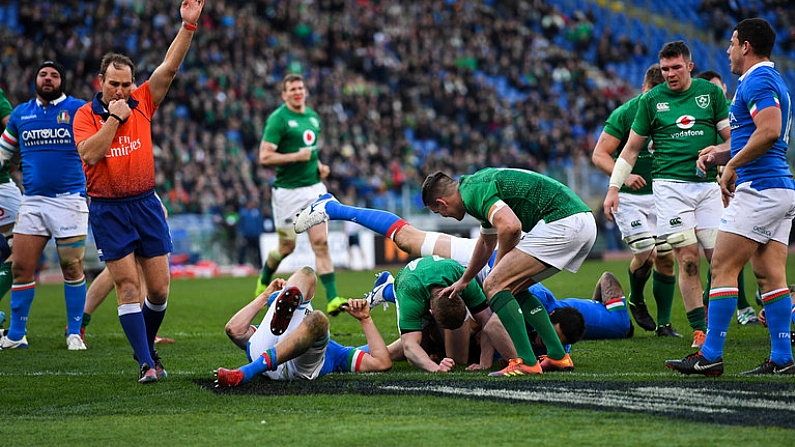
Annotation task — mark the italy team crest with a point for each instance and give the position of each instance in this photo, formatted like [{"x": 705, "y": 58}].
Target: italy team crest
[{"x": 63, "y": 117}]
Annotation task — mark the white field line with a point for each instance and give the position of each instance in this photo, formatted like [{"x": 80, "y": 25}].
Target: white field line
[{"x": 667, "y": 399}]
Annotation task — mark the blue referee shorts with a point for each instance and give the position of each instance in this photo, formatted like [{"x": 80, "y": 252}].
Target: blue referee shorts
[{"x": 131, "y": 224}]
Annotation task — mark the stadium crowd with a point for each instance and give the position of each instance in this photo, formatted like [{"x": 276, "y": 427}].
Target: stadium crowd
[{"x": 404, "y": 88}]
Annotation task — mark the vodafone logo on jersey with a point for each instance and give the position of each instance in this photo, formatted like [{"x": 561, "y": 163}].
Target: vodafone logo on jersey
[
  {"x": 309, "y": 137},
  {"x": 685, "y": 121}
]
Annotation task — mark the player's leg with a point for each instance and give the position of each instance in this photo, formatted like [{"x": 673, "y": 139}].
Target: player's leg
[
  {"x": 318, "y": 238},
  {"x": 156, "y": 282},
  {"x": 10, "y": 200},
  {"x": 413, "y": 241},
  {"x": 70, "y": 256},
  {"x": 98, "y": 290},
  {"x": 663, "y": 288},
  {"x": 328, "y": 208},
  {"x": 676, "y": 204},
  {"x": 640, "y": 268},
  {"x": 286, "y": 204},
  {"x": 635, "y": 219},
  {"x": 29, "y": 249},
  {"x": 732, "y": 252},
  {"x": 509, "y": 275},
  {"x": 6, "y": 277},
  {"x": 285, "y": 246},
  {"x": 769, "y": 262},
  {"x": 562, "y": 244},
  {"x": 310, "y": 337},
  {"x": 688, "y": 258},
  {"x": 128, "y": 285}
]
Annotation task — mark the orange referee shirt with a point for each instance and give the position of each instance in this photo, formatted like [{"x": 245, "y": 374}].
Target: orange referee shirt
[{"x": 128, "y": 168}]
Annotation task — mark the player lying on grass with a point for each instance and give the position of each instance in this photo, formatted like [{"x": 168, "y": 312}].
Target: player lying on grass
[
  {"x": 606, "y": 313},
  {"x": 293, "y": 341},
  {"x": 418, "y": 289},
  {"x": 434, "y": 339}
]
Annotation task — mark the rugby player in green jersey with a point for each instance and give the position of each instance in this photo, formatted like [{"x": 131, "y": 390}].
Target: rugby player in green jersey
[
  {"x": 637, "y": 216},
  {"x": 682, "y": 117},
  {"x": 290, "y": 144},
  {"x": 539, "y": 227}
]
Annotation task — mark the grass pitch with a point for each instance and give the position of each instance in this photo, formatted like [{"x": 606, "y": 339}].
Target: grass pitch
[{"x": 619, "y": 394}]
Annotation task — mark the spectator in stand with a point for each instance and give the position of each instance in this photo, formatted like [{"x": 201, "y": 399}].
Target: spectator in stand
[
  {"x": 383, "y": 93},
  {"x": 250, "y": 229}
]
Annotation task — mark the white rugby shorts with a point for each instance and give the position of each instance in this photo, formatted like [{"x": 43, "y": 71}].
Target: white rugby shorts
[
  {"x": 686, "y": 205},
  {"x": 636, "y": 214},
  {"x": 10, "y": 199},
  {"x": 761, "y": 216},
  {"x": 58, "y": 217},
  {"x": 287, "y": 203}
]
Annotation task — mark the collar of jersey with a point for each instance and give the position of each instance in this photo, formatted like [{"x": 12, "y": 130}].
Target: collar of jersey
[
  {"x": 98, "y": 107},
  {"x": 54, "y": 102}
]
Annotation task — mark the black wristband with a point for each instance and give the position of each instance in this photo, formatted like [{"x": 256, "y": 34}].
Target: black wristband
[{"x": 117, "y": 118}]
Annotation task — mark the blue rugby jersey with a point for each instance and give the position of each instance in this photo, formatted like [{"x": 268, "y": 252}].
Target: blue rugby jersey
[
  {"x": 759, "y": 88},
  {"x": 51, "y": 165}
]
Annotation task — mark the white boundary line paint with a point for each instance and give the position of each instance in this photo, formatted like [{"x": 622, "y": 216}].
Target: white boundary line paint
[{"x": 643, "y": 398}]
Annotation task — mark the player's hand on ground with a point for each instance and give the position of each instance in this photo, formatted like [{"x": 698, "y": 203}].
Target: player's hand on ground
[
  {"x": 611, "y": 203},
  {"x": 358, "y": 308},
  {"x": 478, "y": 367},
  {"x": 446, "y": 365}
]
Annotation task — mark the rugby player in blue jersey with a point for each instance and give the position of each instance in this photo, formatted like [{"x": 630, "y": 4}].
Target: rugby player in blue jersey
[
  {"x": 293, "y": 341},
  {"x": 53, "y": 204},
  {"x": 759, "y": 191}
]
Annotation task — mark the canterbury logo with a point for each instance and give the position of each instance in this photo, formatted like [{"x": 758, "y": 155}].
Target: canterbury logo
[{"x": 699, "y": 367}]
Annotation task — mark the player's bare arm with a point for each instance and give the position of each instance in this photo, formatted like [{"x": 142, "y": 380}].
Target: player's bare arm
[
  {"x": 269, "y": 156},
  {"x": 484, "y": 247},
  {"x": 164, "y": 74},
  {"x": 622, "y": 170},
  {"x": 378, "y": 359},
  {"x": 93, "y": 149},
  {"x": 768, "y": 130},
  {"x": 419, "y": 358},
  {"x": 509, "y": 231},
  {"x": 603, "y": 159}
]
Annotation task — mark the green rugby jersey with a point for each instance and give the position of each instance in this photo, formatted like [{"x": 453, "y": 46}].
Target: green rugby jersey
[
  {"x": 413, "y": 295},
  {"x": 5, "y": 111},
  {"x": 618, "y": 124},
  {"x": 681, "y": 124},
  {"x": 291, "y": 132},
  {"x": 531, "y": 196}
]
